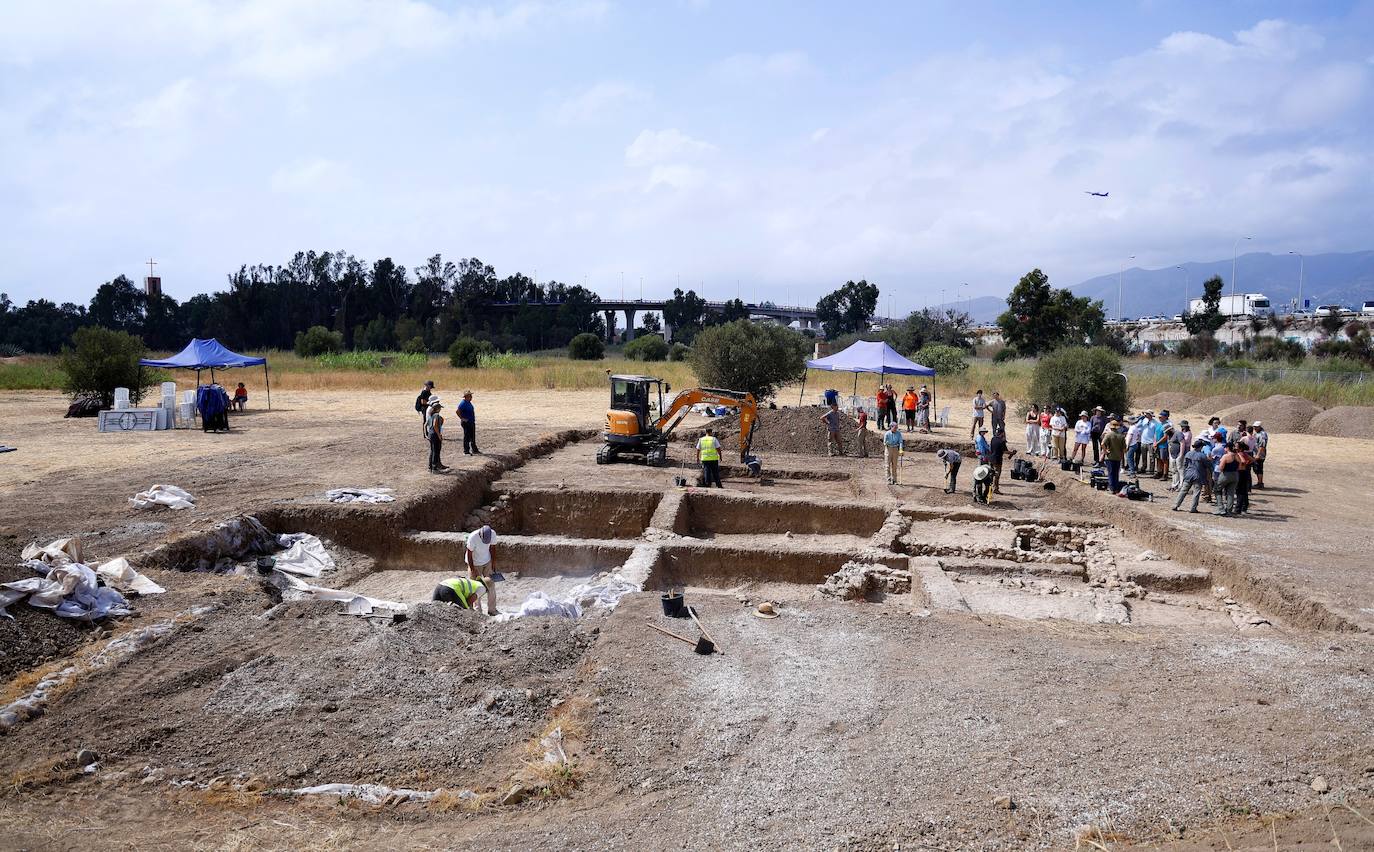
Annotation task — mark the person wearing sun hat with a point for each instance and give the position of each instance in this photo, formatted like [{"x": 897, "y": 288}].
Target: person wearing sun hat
[
  {"x": 1114, "y": 452},
  {"x": 480, "y": 564}
]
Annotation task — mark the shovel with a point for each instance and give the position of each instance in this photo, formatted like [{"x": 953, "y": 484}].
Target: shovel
[
  {"x": 702, "y": 644},
  {"x": 702, "y": 628}
]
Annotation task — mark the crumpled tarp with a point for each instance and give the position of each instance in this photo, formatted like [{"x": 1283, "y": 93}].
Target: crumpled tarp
[
  {"x": 360, "y": 495},
  {"x": 61, "y": 550},
  {"x": 304, "y": 555},
  {"x": 374, "y": 794},
  {"x": 70, "y": 590},
  {"x": 229, "y": 542},
  {"x": 603, "y": 592},
  {"x": 120, "y": 574},
  {"x": 163, "y": 495},
  {"x": 296, "y": 589}
]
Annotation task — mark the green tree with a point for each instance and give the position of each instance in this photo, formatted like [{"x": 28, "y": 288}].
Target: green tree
[
  {"x": 679, "y": 352},
  {"x": 586, "y": 347},
  {"x": 744, "y": 356},
  {"x": 650, "y": 347},
  {"x": 467, "y": 352},
  {"x": 100, "y": 360},
  {"x": 651, "y": 323},
  {"x": 924, "y": 327},
  {"x": 848, "y": 309},
  {"x": 685, "y": 314},
  {"x": 944, "y": 360},
  {"x": 1079, "y": 378},
  {"x": 377, "y": 335},
  {"x": 733, "y": 310},
  {"x": 415, "y": 346},
  {"x": 1204, "y": 323},
  {"x": 1040, "y": 318},
  {"x": 318, "y": 340}
]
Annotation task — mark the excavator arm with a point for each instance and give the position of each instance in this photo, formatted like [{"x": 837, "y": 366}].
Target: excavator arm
[{"x": 683, "y": 402}]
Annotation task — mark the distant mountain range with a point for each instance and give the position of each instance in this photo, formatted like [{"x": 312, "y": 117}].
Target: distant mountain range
[{"x": 1346, "y": 279}]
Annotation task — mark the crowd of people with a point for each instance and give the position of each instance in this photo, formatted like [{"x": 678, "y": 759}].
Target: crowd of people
[{"x": 1220, "y": 465}]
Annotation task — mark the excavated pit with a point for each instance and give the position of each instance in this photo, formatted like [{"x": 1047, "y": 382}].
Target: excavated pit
[
  {"x": 575, "y": 514},
  {"x": 637, "y": 524},
  {"x": 706, "y": 514}
]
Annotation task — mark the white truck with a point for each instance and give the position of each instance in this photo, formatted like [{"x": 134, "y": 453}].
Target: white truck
[{"x": 1241, "y": 305}]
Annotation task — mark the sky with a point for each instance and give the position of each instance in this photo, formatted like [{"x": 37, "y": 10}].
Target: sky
[{"x": 770, "y": 150}]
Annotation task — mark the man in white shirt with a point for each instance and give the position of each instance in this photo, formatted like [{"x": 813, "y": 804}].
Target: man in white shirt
[
  {"x": 479, "y": 562},
  {"x": 1133, "y": 445}
]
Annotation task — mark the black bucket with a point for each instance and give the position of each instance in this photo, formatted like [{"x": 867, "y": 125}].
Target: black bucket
[{"x": 673, "y": 605}]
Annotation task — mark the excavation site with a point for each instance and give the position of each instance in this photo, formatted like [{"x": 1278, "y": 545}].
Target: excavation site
[{"x": 677, "y": 661}]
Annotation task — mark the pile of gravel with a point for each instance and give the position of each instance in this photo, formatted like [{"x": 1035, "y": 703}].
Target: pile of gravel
[
  {"x": 1343, "y": 421},
  {"x": 796, "y": 430},
  {"x": 1280, "y": 413}
]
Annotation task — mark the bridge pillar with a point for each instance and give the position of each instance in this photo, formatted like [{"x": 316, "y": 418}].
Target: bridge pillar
[
  {"x": 610, "y": 326},
  {"x": 629, "y": 324},
  {"x": 667, "y": 330}
]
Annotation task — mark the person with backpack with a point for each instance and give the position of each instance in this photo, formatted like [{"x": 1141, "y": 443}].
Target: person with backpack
[
  {"x": 422, "y": 405},
  {"x": 434, "y": 433}
]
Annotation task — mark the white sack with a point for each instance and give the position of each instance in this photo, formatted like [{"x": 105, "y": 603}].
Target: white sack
[
  {"x": 305, "y": 555},
  {"x": 359, "y": 495}
]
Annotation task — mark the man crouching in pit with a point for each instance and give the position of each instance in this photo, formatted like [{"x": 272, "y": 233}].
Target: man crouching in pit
[{"x": 464, "y": 591}]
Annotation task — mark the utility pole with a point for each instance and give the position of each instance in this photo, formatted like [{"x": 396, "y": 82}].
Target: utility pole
[
  {"x": 1185, "y": 291},
  {"x": 1301, "y": 260},
  {"x": 1234, "y": 248},
  {"x": 1120, "y": 280}
]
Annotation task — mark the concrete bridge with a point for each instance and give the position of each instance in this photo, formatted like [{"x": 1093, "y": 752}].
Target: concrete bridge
[{"x": 786, "y": 314}]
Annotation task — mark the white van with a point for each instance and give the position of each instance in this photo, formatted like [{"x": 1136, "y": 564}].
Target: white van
[{"x": 1368, "y": 307}]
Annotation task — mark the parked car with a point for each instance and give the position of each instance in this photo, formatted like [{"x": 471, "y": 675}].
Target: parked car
[
  {"x": 1330, "y": 310},
  {"x": 1368, "y": 307}
]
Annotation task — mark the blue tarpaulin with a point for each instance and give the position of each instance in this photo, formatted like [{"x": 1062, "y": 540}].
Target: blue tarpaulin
[
  {"x": 209, "y": 354},
  {"x": 204, "y": 355}
]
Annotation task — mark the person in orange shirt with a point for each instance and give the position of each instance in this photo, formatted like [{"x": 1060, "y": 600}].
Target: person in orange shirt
[
  {"x": 909, "y": 406},
  {"x": 880, "y": 402}
]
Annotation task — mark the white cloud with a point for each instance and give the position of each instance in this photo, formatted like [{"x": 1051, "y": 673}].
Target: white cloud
[
  {"x": 600, "y": 100},
  {"x": 819, "y": 133},
  {"x": 659, "y": 147},
  {"x": 168, "y": 108},
  {"x": 771, "y": 66}
]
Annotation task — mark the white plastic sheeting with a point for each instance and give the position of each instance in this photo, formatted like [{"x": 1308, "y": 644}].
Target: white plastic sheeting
[
  {"x": 360, "y": 495},
  {"x": 296, "y": 589},
  {"x": 163, "y": 495},
  {"x": 305, "y": 555},
  {"x": 120, "y": 574},
  {"x": 374, "y": 794},
  {"x": 61, "y": 550},
  {"x": 602, "y": 592}
]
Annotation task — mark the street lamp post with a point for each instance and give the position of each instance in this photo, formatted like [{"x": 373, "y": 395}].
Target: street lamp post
[
  {"x": 1301, "y": 260},
  {"x": 1120, "y": 279},
  {"x": 1185, "y": 291},
  {"x": 1235, "y": 247},
  {"x": 967, "y": 304}
]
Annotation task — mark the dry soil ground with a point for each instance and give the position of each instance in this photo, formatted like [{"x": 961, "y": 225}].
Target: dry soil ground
[{"x": 904, "y": 721}]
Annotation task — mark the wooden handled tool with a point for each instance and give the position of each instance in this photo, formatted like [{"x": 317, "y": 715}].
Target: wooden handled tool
[
  {"x": 702, "y": 628},
  {"x": 669, "y": 633}
]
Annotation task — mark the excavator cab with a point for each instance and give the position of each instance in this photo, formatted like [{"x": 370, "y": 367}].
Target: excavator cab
[{"x": 641, "y": 396}]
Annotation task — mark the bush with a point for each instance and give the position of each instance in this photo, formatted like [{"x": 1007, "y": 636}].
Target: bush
[
  {"x": 504, "y": 361},
  {"x": 945, "y": 360},
  {"x": 650, "y": 347},
  {"x": 1005, "y": 354},
  {"x": 586, "y": 347},
  {"x": 679, "y": 352},
  {"x": 1078, "y": 379},
  {"x": 414, "y": 346},
  {"x": 318, "y": 340},
  {"x": 467, "y": 352},
  {"x": 743, "y": 356},
  {"x": 367, "y": 359},
  {"x": 100, "y": 360}
]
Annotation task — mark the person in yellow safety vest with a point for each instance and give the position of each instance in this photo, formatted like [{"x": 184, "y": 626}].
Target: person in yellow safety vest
[
  {"x": 459, "y": 590},
  {"x": 708, "y": 453}
]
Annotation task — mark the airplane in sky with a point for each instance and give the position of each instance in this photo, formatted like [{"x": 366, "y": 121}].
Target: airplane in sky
[{"x": 1098, "y": 194}]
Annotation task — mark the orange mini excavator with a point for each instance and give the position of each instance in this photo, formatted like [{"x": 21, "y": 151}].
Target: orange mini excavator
[{"x": 631, "y": 429}]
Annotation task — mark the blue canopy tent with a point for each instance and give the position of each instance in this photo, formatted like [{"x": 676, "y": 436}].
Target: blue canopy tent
[
  {"x": 209, "y": 355},
  {"x": 870, "y": 356}
]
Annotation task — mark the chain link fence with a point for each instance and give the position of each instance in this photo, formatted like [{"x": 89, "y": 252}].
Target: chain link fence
[{"x": 1250, "y": 374}]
